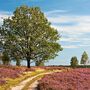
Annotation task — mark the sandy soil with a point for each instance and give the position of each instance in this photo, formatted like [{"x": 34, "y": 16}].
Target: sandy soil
[{"x": 23, "y": 83}]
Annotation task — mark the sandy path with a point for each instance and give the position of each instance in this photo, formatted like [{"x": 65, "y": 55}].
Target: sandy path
[
  {"x": 33, "y": 86},
  {"x": 23, "y": 83}
]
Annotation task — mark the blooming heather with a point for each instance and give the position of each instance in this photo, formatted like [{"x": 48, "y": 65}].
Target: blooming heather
[{"x": 77, "y": 79}]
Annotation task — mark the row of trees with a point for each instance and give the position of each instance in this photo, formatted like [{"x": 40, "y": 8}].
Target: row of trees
[
  {"x": 28, "y": 35},
  {"x": 84, "y": 60}
]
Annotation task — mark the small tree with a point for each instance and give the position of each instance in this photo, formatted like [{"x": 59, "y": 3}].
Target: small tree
[
  {"x": 84, "y": 58},
  {"x": 5, "y": 58},
  {"x": 74, "y": 62}
]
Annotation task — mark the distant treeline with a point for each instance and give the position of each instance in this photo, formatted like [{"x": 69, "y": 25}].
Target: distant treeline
[{"x": 79, "y": 66}]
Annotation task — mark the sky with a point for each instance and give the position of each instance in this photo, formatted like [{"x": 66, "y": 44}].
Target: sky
[{"x": 70, "y": 17}]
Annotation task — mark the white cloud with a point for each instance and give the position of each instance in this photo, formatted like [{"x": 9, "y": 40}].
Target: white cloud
[
  {"x": 83, "y": 23},
  {"x": 75, "y": 46},
  {"x": 75, "y": 33},
  {"x": 55, "y": 12},
  {"x": 69, "y": 46},
  {"x": 68, "y": 18},
  {"x": 3, "y": 15},
  {"x": 70, "y": 39},
  {"x": 78, "y": 32}
]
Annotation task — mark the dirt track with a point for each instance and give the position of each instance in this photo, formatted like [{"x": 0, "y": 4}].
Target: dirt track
[{"x": 32, "y": 86}]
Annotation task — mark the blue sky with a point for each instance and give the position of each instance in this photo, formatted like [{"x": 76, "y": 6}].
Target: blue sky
[{"x": 70, "y": 17}]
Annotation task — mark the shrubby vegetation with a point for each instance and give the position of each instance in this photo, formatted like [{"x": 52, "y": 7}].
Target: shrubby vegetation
[
  {"x": 9, "y": 72},
  {"x": 12, "y": 75},
  {"x": 77, "y": 79}
]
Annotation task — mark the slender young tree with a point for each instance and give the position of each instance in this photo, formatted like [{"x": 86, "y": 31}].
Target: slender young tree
[
  {"x": 84, "y": 58},
  {"x": 29, "y": 35}
]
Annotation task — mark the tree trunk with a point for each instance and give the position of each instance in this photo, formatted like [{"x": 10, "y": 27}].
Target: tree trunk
[
  {"x": 28, "y": 60},
  {"x": 36, "y": 63},
  {"x": 28, "y": 63},
  {"x": 18, "y": 62}
]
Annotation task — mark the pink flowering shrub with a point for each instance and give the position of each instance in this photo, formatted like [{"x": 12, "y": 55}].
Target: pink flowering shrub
[
  {"x": 77, "y": 79},
  {"x": 10, "y": 72},
  {"x": 2, "y": 81}
]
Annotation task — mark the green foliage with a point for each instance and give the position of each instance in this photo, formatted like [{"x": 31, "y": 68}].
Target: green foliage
[
  {"x": 83, "y": 66},
  {"x": 29, "y": 35},
  {"x": 84, "y": 58},
  {"x": 74, "y": 62},
  {"x": 39, "y": 63},
  {"x": 5, "y": 59}
]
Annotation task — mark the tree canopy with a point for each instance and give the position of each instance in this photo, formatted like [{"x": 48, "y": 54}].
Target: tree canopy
[
  {"x": 29, "y": 35},
  {"x": 84, "y": 58},
  {"x": 74, "y": 61}
]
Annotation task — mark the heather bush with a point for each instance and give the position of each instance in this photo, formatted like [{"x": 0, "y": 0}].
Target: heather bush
[
  {"x": 77, "y": 79},
  {"x": 9, "y": 72},
  {"x": 2, "y": 81}
]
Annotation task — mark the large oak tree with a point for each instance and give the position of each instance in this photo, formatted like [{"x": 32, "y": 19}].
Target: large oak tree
[{"x": 28, "y": 35}]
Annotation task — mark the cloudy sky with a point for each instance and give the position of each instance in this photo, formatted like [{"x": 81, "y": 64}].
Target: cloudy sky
[{"x": 70, "y": 17}]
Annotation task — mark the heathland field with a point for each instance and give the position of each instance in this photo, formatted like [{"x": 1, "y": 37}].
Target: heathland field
[{"x": 48, "y": 78}]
